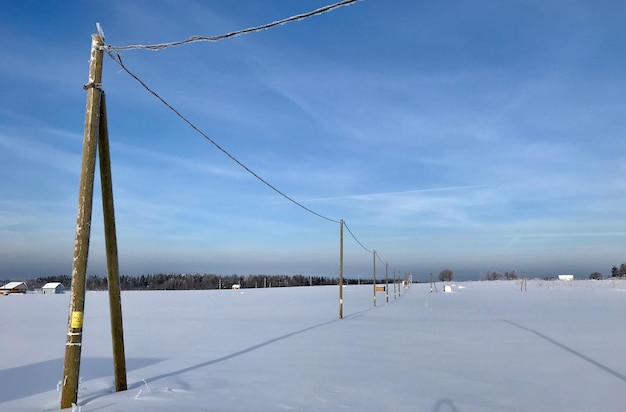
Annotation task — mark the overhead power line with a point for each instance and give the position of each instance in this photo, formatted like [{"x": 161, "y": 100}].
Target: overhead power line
[
  {"x": 377, "y": 257},
  {"x": 113, "y": 52},
  {"x": 118, "y": 59},
  {"x": 357, "y": 240},
  {"x": 193, "y": 39}
]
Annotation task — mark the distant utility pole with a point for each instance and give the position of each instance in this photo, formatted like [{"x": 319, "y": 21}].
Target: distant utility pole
[
  {"x": 341, "y": 269},
  {"x": 394, "y": 283},
  {"x": 95, "y": 130},
  {"x": 523, "y": 286},
  {"x": 387, "y": 282},
  {"x": 374, "y": 277}
]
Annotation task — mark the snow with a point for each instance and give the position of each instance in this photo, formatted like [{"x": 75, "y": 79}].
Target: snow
[
  {"x": 13, "y": 285},
  {"x": 486, "y": 346},
  {"x": 51, "y": 285}
]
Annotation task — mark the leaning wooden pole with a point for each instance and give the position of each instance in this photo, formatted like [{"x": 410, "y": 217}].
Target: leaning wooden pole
[
  {"x": 110, "y": 238},
  {"x": 341, "y": 269},
  {"x": 71, "y": 369}
]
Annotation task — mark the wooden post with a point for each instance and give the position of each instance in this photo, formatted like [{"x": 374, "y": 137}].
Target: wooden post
[
  {"x": 73, "y": 343},
  {"x": 341, "y": 269},
  {"x": 374, "y": 277},
  {"x": 394, "y": 283},
  {"x": 387, "y": 282},
  {"x": 110, "y": 238}
]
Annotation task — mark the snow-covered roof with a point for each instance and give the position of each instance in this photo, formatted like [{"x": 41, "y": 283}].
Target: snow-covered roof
[
  {"x": 13, "y": 285},
  {"x": 52, "y": 285}
]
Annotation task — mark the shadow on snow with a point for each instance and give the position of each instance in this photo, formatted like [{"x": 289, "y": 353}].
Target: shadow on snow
[
  {"x": 243, "y": 351},
  {"x": 23, "y": 381},
  {"x": 570, "y": 350}
]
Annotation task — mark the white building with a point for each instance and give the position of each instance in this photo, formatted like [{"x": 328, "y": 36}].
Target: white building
[
  {"x": 53, "y": 288},
  {"x": 13, "y": 287}
]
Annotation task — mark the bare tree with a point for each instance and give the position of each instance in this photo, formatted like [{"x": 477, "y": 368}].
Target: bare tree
[
  {"x": 492, "y": 275},
  {"x": 512, "y": 275},
  {"x": 446, "y": 275},
  {"x": 619, "y": 272}
]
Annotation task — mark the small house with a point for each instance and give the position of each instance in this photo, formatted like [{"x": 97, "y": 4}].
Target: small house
[
  {"x": 566, "y": 277},
  {"x": 13, "y": 287},
  {"x": 53, "y": 288}
]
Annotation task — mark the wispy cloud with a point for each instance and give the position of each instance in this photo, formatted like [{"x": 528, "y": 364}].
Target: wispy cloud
[
  {"x": 44, "y": 154},
  {"x": 447, "y": 135}
]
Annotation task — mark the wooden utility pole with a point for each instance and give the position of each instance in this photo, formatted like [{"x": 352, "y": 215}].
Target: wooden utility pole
[
  {"x": 95, "y": 134},
  {"x": 374, "y": 277},
  {"x": 69, "y": 391},
  {"x": 341, "y": 269},
  {"x": 110, "y": 238},
  {"x": 523, "y": 286}
]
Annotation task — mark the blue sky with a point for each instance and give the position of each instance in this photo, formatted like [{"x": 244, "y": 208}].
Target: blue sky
[{"x": 474, "y": 136}]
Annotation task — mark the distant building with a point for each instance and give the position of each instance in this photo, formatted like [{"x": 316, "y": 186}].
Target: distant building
[
  {"x": 236, "y": 286},
  {"x": 14, "y": 287},
  {"x": 53, "y": 288},
  {"x": 566, "y": 277}
]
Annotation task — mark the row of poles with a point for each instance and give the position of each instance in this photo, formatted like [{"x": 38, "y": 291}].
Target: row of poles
[
  {"x": 407, "y": 281},
  {"x": 96, "y": 147}
]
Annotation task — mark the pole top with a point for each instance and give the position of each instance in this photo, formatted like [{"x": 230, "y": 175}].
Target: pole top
[{"x": 100, "y": 31}]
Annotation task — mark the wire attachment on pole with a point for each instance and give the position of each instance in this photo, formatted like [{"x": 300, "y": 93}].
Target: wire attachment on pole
[{"x": 92, "y": 85}]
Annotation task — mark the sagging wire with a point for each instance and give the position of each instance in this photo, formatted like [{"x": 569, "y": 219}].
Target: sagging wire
[
  {"x": 355, "y": 238},
  {"x": 379, "y": 259},
  {"x": 193, "y": 39},
  {"x": 113, "y": 52},
  {"x": 118, "y": 59}
]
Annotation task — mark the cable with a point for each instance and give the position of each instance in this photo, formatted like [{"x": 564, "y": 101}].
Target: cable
[
  {"x": 379, "y": 259},
  {"x": 113, "y": 52},
  {"x": 118, "y": 59},
  {"x": 234, "y": 33},
  {"x": 357, "y": 240}
]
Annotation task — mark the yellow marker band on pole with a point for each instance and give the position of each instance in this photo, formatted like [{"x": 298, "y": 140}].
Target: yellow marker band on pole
[{"x": 77, "y": 320}]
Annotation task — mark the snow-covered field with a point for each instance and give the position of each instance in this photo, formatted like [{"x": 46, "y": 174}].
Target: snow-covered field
[{"x": 486, "y": 346}]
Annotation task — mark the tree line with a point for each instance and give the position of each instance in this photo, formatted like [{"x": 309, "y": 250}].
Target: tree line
[
  {"x": 512, "y": 275},
  {"x": 173, "y": 281},
  {"x": 447, "y": 275},
  {"x": 621, "y": 272}
]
